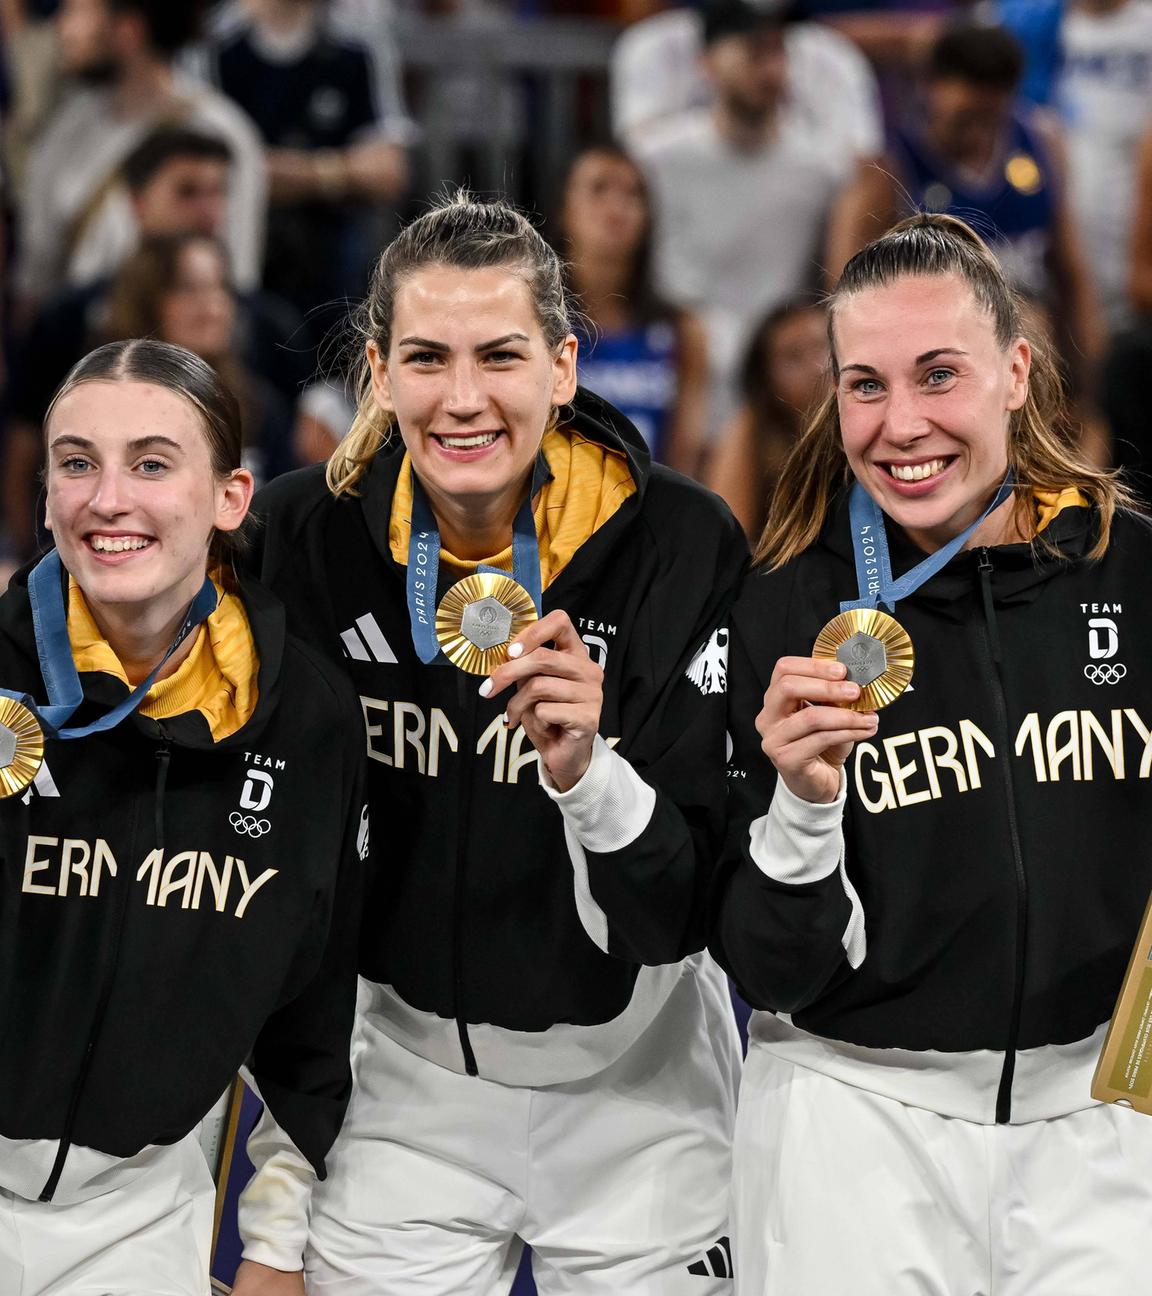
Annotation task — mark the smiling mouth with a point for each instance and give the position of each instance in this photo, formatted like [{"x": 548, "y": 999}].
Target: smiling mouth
[
  {"x": 467, "y": 441},
  {"x": 917, "y": 472},
  {"x": 118, "y": 544}
]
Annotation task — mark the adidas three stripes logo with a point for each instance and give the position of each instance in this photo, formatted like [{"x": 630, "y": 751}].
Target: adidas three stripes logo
[{"x": 364, "y": 641}]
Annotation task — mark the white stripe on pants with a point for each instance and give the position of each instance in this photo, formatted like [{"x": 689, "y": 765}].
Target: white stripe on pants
[
  {"x": 841, "y": 1191},
  {"x": 619, "y": 1182},
  {"x": 150, "y": 1237}
]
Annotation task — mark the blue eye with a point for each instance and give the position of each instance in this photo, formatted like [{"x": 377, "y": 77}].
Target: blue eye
[
  {"x": 152, "y": 467},
  {"x": 867, "y": 387},
  {"x": 74, "y": 464},
  {"x": 938, "y": 376}
]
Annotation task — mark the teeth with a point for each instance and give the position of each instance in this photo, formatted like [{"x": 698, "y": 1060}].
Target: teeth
[
  {"x": 107, "y": 544},
  {"x": 469, "y": 442},
  {"x": 916, "y": 472}
]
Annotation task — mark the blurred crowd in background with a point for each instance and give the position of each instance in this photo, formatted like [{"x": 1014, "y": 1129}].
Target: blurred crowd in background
[{"x": 221, "y": 176}]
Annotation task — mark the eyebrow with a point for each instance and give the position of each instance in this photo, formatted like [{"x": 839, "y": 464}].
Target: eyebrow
[
  {"x": 141, "y": 443},
  {"x": 920, "y": 359},
  {"x": 483, "y": 346}
]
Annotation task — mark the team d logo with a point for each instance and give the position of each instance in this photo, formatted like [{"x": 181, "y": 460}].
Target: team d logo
[
  {"x": 254, "y": 797},
  {"x": 1103, "y": 645},
  {"x": 708, "y": 670}
]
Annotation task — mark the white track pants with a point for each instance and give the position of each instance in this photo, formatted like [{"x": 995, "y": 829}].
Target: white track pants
[
  {"x": 149, "y": 1237},
  {"x": 841, "y": 1192},
  {"x": 619, "y": 1182}
]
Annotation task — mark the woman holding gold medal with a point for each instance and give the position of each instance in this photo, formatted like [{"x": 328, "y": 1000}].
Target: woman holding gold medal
[
  {"x": 173, "y": 902},
  {"x": 932, "y": 904},
  {"x": 528, "y": 608}
]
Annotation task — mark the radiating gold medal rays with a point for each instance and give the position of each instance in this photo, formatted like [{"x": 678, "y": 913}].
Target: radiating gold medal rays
[
  {"x": 477, "y": 619},
  {"x": 876, "y": 650},
  {"x": 21, "y": 747}
]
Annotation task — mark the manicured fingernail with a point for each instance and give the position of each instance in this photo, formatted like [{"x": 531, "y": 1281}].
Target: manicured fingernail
[
  {"x": 504, "y": 717},
  {"x": 486, "y": 688},
  {"x": 515, "y": 650}
]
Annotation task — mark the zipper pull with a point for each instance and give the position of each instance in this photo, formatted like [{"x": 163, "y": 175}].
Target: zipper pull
[
  {"x": 984, "y": 567},
  {"x": 163, "y": 759}
]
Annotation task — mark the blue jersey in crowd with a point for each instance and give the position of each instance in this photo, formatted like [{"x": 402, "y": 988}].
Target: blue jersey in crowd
[
  {"x": 1013, "y": 209},
  {"x": 635, "y": 370}
]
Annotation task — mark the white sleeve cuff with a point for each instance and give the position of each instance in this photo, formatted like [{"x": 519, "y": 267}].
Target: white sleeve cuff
[
  {"x": 801, "y": 841},
  {"x": 274, "y": 1207},
  {"x": 609, "y": 807}
]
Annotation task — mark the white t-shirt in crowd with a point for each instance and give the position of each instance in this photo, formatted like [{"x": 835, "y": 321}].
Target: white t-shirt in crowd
[
  {"x": 1105, "y": 94},
  {"x": 736, "y": 232},
  {"x": 69, "y": 238},
  {"x": 656, "y": 72}
]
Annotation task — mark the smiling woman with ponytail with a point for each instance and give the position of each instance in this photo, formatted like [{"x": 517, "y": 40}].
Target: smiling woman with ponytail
[{"x": 931, "y": 906}]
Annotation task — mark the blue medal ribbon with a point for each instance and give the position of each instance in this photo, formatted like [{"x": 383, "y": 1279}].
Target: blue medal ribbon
[
  {"x": 424, "y": 563},
  {"x": 870, "y": 549},
  {"x": 58, "y": 667}
]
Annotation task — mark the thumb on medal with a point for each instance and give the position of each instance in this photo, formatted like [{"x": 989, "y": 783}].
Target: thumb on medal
[{"x": 805, "y": 729}]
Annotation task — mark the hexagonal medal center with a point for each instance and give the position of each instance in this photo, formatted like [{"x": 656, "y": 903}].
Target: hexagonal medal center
[
  {"x": 865, "y": 658},
  {"x": 486, "y": 623}
]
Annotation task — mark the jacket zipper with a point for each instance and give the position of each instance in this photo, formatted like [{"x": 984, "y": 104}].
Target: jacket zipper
[
  {"x": 163, "y": 760},
  {"x": 992, "y": 635},
  {"x": 49, "y": 1189},
  {"x": 466, "y": 695}
]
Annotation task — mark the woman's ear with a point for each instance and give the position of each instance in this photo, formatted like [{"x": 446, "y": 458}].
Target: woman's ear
[
  {"x": 1020, "y": 362},
  {"x": 564, "y": 371},
  {"x": 234, "y": 495},
  {"x": 381, "y": 388}
]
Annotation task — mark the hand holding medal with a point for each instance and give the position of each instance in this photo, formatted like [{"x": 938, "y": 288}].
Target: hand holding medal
[{"x": 559, "y": 694}]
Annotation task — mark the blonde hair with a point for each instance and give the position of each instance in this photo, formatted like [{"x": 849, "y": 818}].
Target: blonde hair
[
  {"x": 462, "y": 232},
  {"x": 1042, "y": 445}
]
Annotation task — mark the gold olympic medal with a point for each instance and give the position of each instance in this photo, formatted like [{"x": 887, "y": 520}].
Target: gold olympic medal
[
  {"x": 478, "y": 617},
  {"x": 877, "y": 651},
  {"x": 21, "y": 747}
]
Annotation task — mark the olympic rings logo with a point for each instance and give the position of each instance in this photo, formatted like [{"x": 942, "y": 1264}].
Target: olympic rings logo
[
  {"x": 1108, "y": 673},
  {"x": 249, "y": 824}
]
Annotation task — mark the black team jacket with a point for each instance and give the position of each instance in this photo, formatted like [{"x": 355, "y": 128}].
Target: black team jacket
[
  {"x": 997, "y": 829},
  {"x": 172, "y": 907},
  {"x": 486, "y": 939}
]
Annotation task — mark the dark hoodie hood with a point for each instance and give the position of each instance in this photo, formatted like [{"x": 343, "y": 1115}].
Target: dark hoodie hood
[
  {"x": 1019, "y": 571},
  {"x": 101, "y": 691}
]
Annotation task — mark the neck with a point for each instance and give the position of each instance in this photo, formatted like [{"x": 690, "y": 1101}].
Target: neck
[
  {"x": 146, "y": 84},
  {"x": 602, "y": 281},
  {"x": 745, "y": 131},
  {"x": 141, "y": 638},
  {"x": 999, "y": 527},
  {"x": 477, "y": 529},
  {"x": 284, "y": 17}
]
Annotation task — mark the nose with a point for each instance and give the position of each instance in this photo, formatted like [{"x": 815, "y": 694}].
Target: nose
[
  {"x": 905, "y": 421},
  {"x": 110, "y": 497},
  {"x": 465, "y": 398}
]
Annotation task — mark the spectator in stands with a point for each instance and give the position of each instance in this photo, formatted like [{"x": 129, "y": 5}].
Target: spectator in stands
[
  {"x": 77, "y": 220},
  {"x": 639, "y": 354},
  {"x": 1124, "y": 379},
  {"x": 976, "y": 153},
  {"x": 657, "y": 71},
  {"x": 785, "y": 371},
  {"x": 741, "y": 191},
  {"x": 333, "y": 138},
  {"x": 177, "y": 182},
  {"x": 176, "y": 288},
  {"x": 1105, "y": 95}
]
